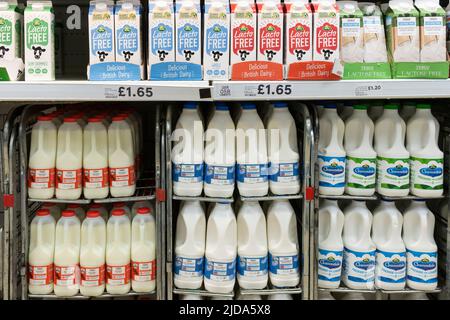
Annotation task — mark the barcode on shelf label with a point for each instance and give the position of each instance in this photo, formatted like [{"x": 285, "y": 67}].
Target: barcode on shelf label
[{"x": 375, "y": 89}]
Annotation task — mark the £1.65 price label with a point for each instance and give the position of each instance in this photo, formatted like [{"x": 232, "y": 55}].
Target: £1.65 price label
[
  {"x": 274, "y": 90},
  {"x": 129, "y": 93}
]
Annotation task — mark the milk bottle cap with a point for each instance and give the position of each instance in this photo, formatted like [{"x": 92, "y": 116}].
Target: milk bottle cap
[
  {"x": 95, "y": 119},
  {"x": 280, "y": 105},
  {"x": 144, "y": 210},
  {"x": 43, "y": 212},
  {"x": 45, "y": 118},
  {"x": 118, "y": 212},
  {"x": 93, "y": 214},
  {"x": 70, "y": 120},
  {"x": 330, "y": 106},
  {"x": 190, "y": 105},
  {"x": 118, "y": 118},
  {"x": 423, "y": 106},
  {"x": 248, "y": 106},
  {"x": 391, "y": 106},
  {"x": 360, "y": 107},
  {"x": 68, "y": 213}
]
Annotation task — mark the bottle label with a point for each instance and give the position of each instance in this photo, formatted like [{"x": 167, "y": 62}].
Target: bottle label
[
  {"x": 188, "y": 267},
  {"x": 68, "y": 179},
  {"x": 252, "y": 173},
  {"x": 67, "y": 276},
  {"x": 189, "y": 173},
  {"x": 143, "y": 271},
  {"x": 220, "y": 271},
  {"x": 122, "y": 177},
  {"x": 284, "y": 172},
  {"x": 393, "y": 173},
  {"x": 219, "y": 175},
  {"x": 40, "y": 275},
  {"x": 92, "y": 276},
  {"x": 332, "y": 171},
  {"x": 421, "y": 266},
  {"x": 283, "y": 264},
  {"x": 41, "y": 178},
  {"x": 330, "y": 265},
  {"x": 359, "y": 266},
  {"x": 427, "y": 174},
  {"x": 95, "y": 178},
  {"x": 118, "y": 275},
  {"x": 391, "y": 266},
  {"x": 361, "y": 172},
  {"x": 252, "y": 267}
]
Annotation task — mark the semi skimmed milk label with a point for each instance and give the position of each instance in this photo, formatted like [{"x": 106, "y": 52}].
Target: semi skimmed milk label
[
  {"x": 427, "y": 174},
  {"x": 331, "y": 171},
  {"x": 359, "y": 266},
  {"x": 393, "y": 173},
  {"x": 361, "y": 172},
  {"x": 391, "y": 266},
  {"x": 330, "y": 265},
  {"x": 253, "y": 267},
  {"x": 422, "y": 266}
]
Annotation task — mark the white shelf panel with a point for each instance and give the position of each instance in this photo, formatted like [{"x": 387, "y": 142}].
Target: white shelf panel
[
  {"x": 330, "y": 90},
  {"x": 105, "y": 91}
]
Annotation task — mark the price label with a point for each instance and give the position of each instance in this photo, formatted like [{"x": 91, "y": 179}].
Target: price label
[
  {"x": 370, "y": 90},
  {"x": 274, "y": 90},
  {"x": 135, "y": 92}
]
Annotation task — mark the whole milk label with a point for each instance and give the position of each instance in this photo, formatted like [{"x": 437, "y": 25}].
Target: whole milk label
[
  {"x": 421, "y": 266},
  {"x": 67, "y": 276},
  {"x": 427, "y": 174},
  {"x": 393, "y": 173},
  {"x": 359, "y": 266},
  {"x": 69, "y": 179},
  {"x": 361, "y": 172},
  {"x": 143, "y": 271},
  {"x": 330, "y": 265},
  {"x": 118, "y": 275},
  {"x": 220, "y": 271},
  {"x": 41, "y": 178},
  {"x": 283, "y": 265},
  {"x": 188, "y": 267},
  {"x": 390, "y": 266},
  {"x": 92, "y": 276},
  {"x": 284, "y": 172},
  {"x": 189, "y": 173},
  {"x": 40, "y": 275},
  {"x": 219, "y": 175},
  {"x": 95, "y": 178},
  {"x": 252, "y": 173},
  {"x": 122, "y": 177},
  {"x": 252, "y": 266},
  {"x": 331, "y": 171}
]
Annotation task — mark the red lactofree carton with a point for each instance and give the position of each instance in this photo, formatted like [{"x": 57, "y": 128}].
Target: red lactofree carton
[
  {"x": 243, "y": 31},
  {"x": 270, "y": 31},
  {"x": 299, "y": 31},
  {"x": 326, "y": 30}
]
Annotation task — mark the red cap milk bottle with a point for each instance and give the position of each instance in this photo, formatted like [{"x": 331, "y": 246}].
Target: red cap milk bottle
[
  {"x": 79, "y": 211},
  {"x": 124, "y": 206},
  {"x": 100, "y": 208},
  {"x": 139, "y": 204},
  {"x": 55, "y": 210}
]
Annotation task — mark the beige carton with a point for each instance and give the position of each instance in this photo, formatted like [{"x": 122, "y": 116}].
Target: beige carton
[{"x": 351, "y": 35}]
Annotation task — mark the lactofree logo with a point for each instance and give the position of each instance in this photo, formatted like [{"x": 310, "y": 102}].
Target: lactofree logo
[
  {"x": 37, "y": 33},
  {"x": 5, "y": 32},
  {"x": 216, "y": 40}
]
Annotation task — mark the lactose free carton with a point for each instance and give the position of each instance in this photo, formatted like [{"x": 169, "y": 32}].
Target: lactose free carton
[
  {"x": 326, "y": 30},
  {"x": 188, "y": 32},
  {"x": 101, "y": 32},
  {"x": 127, "y": 22},
  {"x": 161, "y": 28},
  {"x": 11, "y": 20},
  {"x": 270, "y": 31},
  {"x": 299, "y": 32},
  {"x": 243, "y": 31}
]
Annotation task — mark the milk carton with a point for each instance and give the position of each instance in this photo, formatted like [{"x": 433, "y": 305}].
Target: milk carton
[
  {"x": 10, "y": 30},
  {"x": 39, "y": 23},
  {"x": 351, "y": 36},
  {"x": 243, "y": 31},
  {"x": 127, "y": 22},
  {"x": 402, "y": 31},
  {"x": 374, "y": 37},
  {"x": 270, "y": 31},
  {"x": 161, "y": 37},
  {"x": 101, "y": 32},
  {"x": 299, "y": 31},
  {"x": 326, "y": 30},
  {"x": 432, "y": 31},
  {"x": 188, "y": 31},
  {"x": 217, "y": 40}
]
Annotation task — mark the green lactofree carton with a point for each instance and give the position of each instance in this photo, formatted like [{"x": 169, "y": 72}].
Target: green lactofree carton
[
  {"x": 10, "y": 31},
  {"x": 351, "y": 23}
]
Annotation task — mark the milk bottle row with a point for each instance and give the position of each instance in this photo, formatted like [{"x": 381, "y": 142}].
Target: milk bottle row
[
  {"x": 68, "y": 257},
  {"x": 351, "y": 161},
  {"x": 89, "y": 153},
  {"x": 253, "y": 247},
  {"x": 386, "y": 250},
  {"x": 277, "y": 296},
  {"x": 259, "y": 157}
]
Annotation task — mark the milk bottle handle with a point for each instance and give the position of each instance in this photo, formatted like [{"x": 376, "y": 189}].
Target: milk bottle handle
[
  {"x": 431, "y": 132},
  {"x": 398, "y": 136},
  {"x": 334, "y": 135},
  {"x": 366, "y": 136},
  {"x": 423, "y": 227}
]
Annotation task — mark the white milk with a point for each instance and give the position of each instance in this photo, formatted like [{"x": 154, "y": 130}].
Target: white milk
[
  {"x": 326, "y": 30},
  {"x": 42, "y": 161},
  {"x": 390, "y": 270},
  {"x": 102, "y": 46},
  {"x": 243, "y": 31},
  {"x": 284, "y": 171},
  {"x": 39, "y": 41},
  {"x": 55, "y": 211},
  {"x": 251, "y": 153},
  {"x": 374, "y": 37},
  {"x": 351, "y": 35},
  {"x": 283, "y": 244},
  {"x": 392, "y": 156},
  {"x": 421, "y": 249},
  {"x": 79, "y": 211},
  {"x": 361, "y": 157},
  {"x": 143, "y": 251},
  {"x": 216, "y": 54},
  {"x": 358, "y": 271},
  {"x": 187, "y": 154},
  {"x": 188, "y": 32},
  {"x": 140, "y": 204},
  {"x": 299, "y": 31},
  {"x": 331, "y": 246},
  {"x": 124, "y": 206},
  {"x": 118, "y": 253},
  {"x": 11, "y": 21},
  {"x": 190, "y": 246},
  {"x": 252, "y": 268},
  {"x": 127, "y": 22},
  {"x": 95, "y": 160},
  {"x": 270, "y": 31},
  {"x": 92, "y": 254},
  {"x": 121, "y": 158},
  {"x": 427, "y": 159},
  {"x": 69, "y": 160},
  {"x": 220, "y": 154},
  {"x": 221, "y": 249},
  {"x": 67, "y": 255},
  {"x": 100, "y": 208},
  {"x": 41, "y": 251},
  {"x": 161, "y": 31},
  {"x": 331, "y": 152}
]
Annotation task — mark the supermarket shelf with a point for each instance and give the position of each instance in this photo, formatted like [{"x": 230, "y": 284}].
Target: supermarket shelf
[
  {"x": 81, "y": 297},
  {"x": 126, "y": 199},
  {"x": 323, "y": 90},
  {"x": 348, "y": 290},
  {"x": 272, "y": 197},
  {"x": 203, "y": 293},
  {"x": 404, "y": 291},
  {"x": 349, "y": 197},
  {"x": 268, "y": 292},
  {"x": 411, "y": 197},
  {"x": 407, "y": 291},
  {"x": 204, "y": 199},
  {"x": 54, "y": 200},
  {"x": 84, "y": 90}
]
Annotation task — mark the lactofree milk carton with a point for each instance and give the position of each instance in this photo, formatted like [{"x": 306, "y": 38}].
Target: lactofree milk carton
[
  {"x": 127, "y": 22},
  {"x": 101, "y": 32},
  {"x": 216, "y": 56},
  {"x": 432, "y": 31},
  {"x": 374, "y": 37},
  {"x": 270, "y": 31},
  {"x": 188, "y": 34},
  {"x": 39, "y": 22},
  {"x": 402, "y": 31},
  {"x": 298, "y": 35},
  {"x": 351, "y": 34},
  {"x": 161, "y": 37},
  {"x": 243, "y": 31},
  {"x": 11, "y": 21},
  {"x": 326, "y": 30}
]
